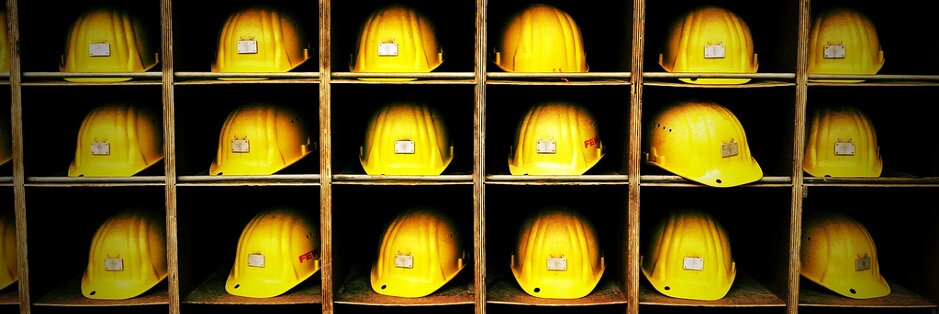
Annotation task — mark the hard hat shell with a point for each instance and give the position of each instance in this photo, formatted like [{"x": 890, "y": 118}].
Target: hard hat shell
[
  {"x": 688, "y": 256},
  {"x": 838, "y": 253},
  {"x": 261, "y": 38},
  {"x": 277, "y": 250},
  {"x": 260, "y": 139},
  {"x": 406, "y": 138},
  {"x": 117, "y": 139},
  {"x": 843, "y": 41},
  {"x": 127, "y": 256},
  {"x": 420, "y": 251},
  {"x": 701, "y": 141},
  {"x": 397, "y": 38},
  {"x": 541, "y": 38},
  {"x": 108, "y": 39},
  {"x": 9, "y": 271},
  {"x": 557, "y": 255},
  {"x": 4, "y": 42},
  {"x": 710, "y": 39},
  {"x": 841, "y": 142},
  {"x": 556, "y": 138}
]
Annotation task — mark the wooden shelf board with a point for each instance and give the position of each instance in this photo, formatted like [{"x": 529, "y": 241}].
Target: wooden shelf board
[
  {"x": 613, "y": 179},
  {"x": 263, "y": 180},
  {"x": 751, "y": 84},
  {"x": 813, "y": 295},
  {"x": 585, "y": 77},
  {"x": 672, "y": 180},
  {"x": 879, "y": 181},
  {"x": 390, "y": 77},
  {"x": 505, "y": 290},
  {"x": 10, "y": 295},
  {"x": 745, "y": 292},
  {"x": 412, "y": 82},
  {"x": 357, "y": 290},
  {"x": 267, "y": 81},
  {"x": 212, "y": 291},
  {"x": 364, "y": 179},
  {"x": 96, "y": 181},
  {"x": 70, "y": 295}
]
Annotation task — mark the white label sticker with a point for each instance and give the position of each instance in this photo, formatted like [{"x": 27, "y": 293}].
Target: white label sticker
[
  {"x": 714, "y": 51},
  {"x": 100, "y": 148},
  {"x": 404, "y": 147},
  {"x": 728, "y": 149},
  {"x": 240, "y": 146},
  {"x": 692, "y": 263},
  {"x": 844, "y": 149},
  {"x": 546, "y": 147},
  {"x": 247, "y": 47},
  {"x": 99, "y": 50},
  {"x": 404, "y": 261},
  {"x": 256, "y": 260},
  {"x": 114, "y": 264},
  {"x": 862, "y": 263},
  {"x": 557, "y": 263},
  {"x": 388, "y": 49},
  {"x": 834, "y": 51}
]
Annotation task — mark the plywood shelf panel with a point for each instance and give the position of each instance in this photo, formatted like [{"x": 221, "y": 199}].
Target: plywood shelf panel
[
  {"x": 357, "y": 290},
  {"x": 69, "y": 295},
  {"x": 212, "y": 291}
]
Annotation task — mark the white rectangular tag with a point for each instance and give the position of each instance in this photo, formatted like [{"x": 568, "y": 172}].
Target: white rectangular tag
[
  {"x": 728, "y": 149},
  {"x": 114, "y": 264},
  {"x": 247, "y": 47},
  {"x": 546, "y": 147},
  {"x": 404, "y": 261},
  {"x": 100, "y": 148},
  {"x": 240, "y": 146},
  {"x": 557, "y": 263},
  {"x": 714, "y": 51},
  {"x": 256, "y": 260},
  {"x": 862, "y": 263},
  {"x": 404, "y": 147},
  {"x": 692, "y": 263},
  {"x": 844, "y": 149},
  {"x": 388, "y": 49},
  {"x": 99, "y": 50},
  {"x": 834, "y": 51}
]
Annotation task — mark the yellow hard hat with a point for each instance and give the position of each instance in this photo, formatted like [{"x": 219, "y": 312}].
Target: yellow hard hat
[
  {"x": 9, "y": 271},
  {"x": 396, "y": 38},
  {"x": 839, "y": 254},
  {"x": 117, "y": 139},
  {"x": 406, "y": 138},
  {"x": 4, "y": 42},
  {"x": 6, "y": 137},
  {"x": 541, "y": 38},
  {"x": 557, "y": 255},
  {"x": 277, "y": 250},
  {"x": 556, "y": 138},
  {"x": 108, "y": 39},
  {"x": 687, "y": 256},
  {"x": 260, "y": 38},
  {"x": 127, "y": 256},
  {"x": 841, "y": 142},
  {"x": 710, "y": 39},
  {"x": 260, "y": 139},
  {"x": 843, "y": 41},
  {"x": 421, "y": 250},
  {"x": 701, "y": 141}
]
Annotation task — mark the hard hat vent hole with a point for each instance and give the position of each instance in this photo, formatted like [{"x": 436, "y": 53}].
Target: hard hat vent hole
[
  {"x": 853, "y": 291},
  {"x": 667, "y": 288},
  {"x": 92, "y": 293},
  {"x": 828, "y": 176},
  {"x": 718, "y": 181},
  {"x": 81, "y": 174},
  {"x": 537, "y": 290},
  {"x": 237, "y": 286},
  {"x": 384, "y": 286},
  {"x": 669, "y": 130}
]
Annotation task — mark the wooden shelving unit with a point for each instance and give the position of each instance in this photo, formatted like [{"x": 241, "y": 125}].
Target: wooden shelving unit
[{"x": 56, "y": 215}]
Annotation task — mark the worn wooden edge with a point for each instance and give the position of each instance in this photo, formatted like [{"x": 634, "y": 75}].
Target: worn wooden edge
[
  {"x": 695, "y": 75},
  {"x": 744, "y": 292},
  {"x": 557, "y": 82},
  {"x": 872, "y": 182},
  {"x": 246, "y": 75},
  {"x": 69, "y": 294},
  {"x": 673, "y": 180},
  {"x": 143, "y": 180},
  {"x": 19, "y": 189},
  {"x": 572, "y": 76},
  {"x": 6, "y": 180},
  {"x": 212, "y": 291},
  {"x": 10, "y": 295},
  {"x": 63, "y": 75},
  {"x": 634, "y": 162},
  {"x": 169, "y": 162},
  {"x": 308, "y": 179},
  {"x": 66, "y": 83},
  {"x": 798, "y": 132},
  {"x": 327, "y": 272},
  {"x": 411, "y": 82},
  {"x": 752, "y": 84},
  {"x": 244, "y": 82},
  {"x": 899, "y": 298},
  {"x": 479, "y": 155},
  {"x": 872, "y": 77},
  {"x": 416, "y": 76},
  {"x": 401, "y": 179},
  {"x": 551, "y": 179}
]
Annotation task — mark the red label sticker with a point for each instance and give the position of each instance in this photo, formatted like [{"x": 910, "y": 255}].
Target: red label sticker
[
  {"x": 306, "y": 256},
  {"x": 591, "y": 142}
]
